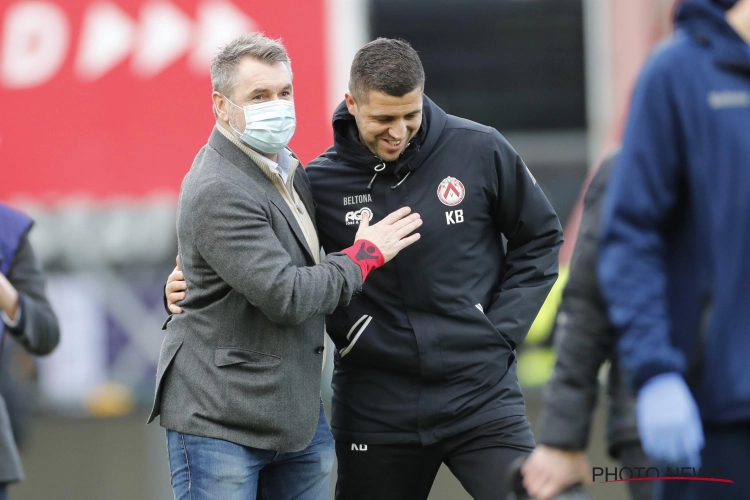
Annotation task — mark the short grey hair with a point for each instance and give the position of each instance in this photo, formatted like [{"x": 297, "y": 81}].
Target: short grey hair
[{"x": 255, "y": 45}]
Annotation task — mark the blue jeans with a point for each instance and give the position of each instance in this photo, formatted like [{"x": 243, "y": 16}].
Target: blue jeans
[
  {"x": 3, "y": 491},
  {"x": 206, "y": 468}
]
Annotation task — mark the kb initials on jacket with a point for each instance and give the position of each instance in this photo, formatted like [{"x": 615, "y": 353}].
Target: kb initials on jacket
[{"x": 454, "y": 217}]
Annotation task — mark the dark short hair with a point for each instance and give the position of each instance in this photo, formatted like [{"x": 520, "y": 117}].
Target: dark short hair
[{"x": 386, "y": 65}]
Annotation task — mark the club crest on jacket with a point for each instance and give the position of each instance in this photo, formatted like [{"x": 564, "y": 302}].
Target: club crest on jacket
[{"x": 451, "y": 191}]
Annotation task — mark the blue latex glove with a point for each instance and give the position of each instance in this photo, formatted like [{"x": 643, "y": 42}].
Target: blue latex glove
[{"x": 668, "y": 421}]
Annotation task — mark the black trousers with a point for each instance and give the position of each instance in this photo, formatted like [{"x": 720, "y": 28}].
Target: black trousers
[{"x": 479, "y": 458}]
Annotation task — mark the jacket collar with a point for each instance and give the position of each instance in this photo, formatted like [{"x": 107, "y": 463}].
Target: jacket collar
[
  {"x": 261, "y": 161},
  {"x": 705, "y": 22},
  {"x": 259, "y": 173},
  {"x": 357, "y": 155}
]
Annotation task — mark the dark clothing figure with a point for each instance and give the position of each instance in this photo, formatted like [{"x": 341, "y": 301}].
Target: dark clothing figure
[
  {"x": 35, "y": 326},
  {"x": 584, "y": 340}
]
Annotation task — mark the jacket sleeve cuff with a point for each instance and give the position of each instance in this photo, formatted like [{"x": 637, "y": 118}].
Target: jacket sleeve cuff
[
  {"x": 166, "y": 308},
  {"x": 652, "y": 368},
  {"x": 565, "y": 421},
  {"x": 366, "y": 255},
  {"x": 567, "y": 435}
]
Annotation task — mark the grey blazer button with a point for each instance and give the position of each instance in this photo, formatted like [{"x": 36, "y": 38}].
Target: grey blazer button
[{"x": 319, "y": 349}]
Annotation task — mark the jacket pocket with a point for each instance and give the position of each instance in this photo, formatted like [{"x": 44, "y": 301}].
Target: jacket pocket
[
  {"x": 248, "y": 386},
  {"x": 471, "y": 347},
  {"x": 486, "y": 320},
  {"x": 227, "y": 356},
  {"x": 354, "y": 333},
  {"x": 363, "y": 340}
]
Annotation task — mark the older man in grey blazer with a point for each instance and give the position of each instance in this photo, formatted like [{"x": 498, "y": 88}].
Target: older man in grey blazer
[{"x": 239, "y": 374}]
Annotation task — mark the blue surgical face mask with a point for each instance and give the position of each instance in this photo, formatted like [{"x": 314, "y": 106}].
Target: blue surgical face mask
[{"x": 269, "y": 126}]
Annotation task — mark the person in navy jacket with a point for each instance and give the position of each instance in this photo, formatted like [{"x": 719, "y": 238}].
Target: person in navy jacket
[
  {"x": 26, "y": 316},
  {"x": 674, "y": 262}
]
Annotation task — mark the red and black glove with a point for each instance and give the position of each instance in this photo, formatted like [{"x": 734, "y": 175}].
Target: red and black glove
[{"x": 366, "y": 255}]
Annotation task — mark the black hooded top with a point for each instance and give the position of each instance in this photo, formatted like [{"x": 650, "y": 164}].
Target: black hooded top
[{"x": 426, "y": 350}]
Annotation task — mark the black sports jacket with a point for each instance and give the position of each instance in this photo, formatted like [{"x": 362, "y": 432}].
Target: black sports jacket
[
  {"x": 426, "y": 350},
  {"x": 584, "y": 339}
]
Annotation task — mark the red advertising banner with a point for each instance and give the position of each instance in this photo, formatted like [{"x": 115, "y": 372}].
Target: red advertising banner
[{"x": 109, "y": 98}]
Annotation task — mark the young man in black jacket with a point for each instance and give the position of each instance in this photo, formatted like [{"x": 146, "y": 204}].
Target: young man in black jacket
[
  {"x": 425, "y": 368},
  {"x": 425, "y": 364}
]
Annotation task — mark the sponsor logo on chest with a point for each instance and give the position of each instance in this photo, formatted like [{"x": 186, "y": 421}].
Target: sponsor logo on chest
[
  {"x": 728, "y": 99},
  {"x": 357, "y": 198},
  {"x": 355, "y": 216}
]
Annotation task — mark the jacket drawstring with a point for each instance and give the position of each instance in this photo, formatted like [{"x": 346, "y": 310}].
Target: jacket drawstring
[
  {"x": 402, "y": 180},
  {"x": 409, "y": 172},
  {"x": 378, "y": 168}
]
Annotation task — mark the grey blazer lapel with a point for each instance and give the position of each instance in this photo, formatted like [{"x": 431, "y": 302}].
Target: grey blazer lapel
[
  {"x": 278, "y": 200},
  {"x": 243, "y": 162}
]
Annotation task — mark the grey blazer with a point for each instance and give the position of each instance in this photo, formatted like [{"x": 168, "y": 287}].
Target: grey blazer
[
  {"x": 37, "y": 331},
  {"x": 243, "y": 361}
]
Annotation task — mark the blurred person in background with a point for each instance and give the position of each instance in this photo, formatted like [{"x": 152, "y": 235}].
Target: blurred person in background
[
  {"x": 238, "y": 381},
  {"x": 27, "y": 318},
  {"x": 425, "y": 362},
  {"x": 584, "y": 340},
  {"x": 674, "y": 262}
]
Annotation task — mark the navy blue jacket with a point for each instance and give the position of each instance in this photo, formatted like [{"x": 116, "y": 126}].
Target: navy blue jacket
[
  {"x": 426, "y": 350},
  {"x": 675, "y": 258},
  {"x": 13, "y": 226},
  {"x": 36, "y": 330}
]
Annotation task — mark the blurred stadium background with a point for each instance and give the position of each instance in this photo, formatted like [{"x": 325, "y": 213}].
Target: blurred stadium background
[{"x": 104, "y": 103}]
